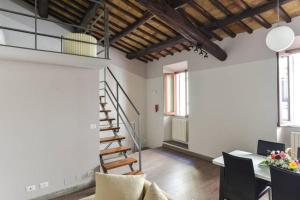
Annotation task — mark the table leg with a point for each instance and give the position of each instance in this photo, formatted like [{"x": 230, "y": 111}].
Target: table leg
[{"x": 221, "y": 189}]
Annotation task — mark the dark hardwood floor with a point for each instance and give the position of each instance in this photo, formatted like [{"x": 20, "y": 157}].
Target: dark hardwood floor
[{"x": 182, "y": 176}]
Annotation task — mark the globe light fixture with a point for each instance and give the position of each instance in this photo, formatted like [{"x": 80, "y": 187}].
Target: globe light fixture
[{"x": 281, "y": 37}]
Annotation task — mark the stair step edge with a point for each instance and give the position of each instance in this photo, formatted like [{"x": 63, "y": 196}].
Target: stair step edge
[
  {"x": 111, "y": 139},
  {"x": 114, "y": 150},
  {"x": 119, "y": 163}
]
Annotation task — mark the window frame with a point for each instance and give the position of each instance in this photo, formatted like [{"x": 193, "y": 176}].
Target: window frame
[
  {"x": 290, "y": 121},
  {"x": 166, "y": 96},
  {"x": 175, "y": 93}
]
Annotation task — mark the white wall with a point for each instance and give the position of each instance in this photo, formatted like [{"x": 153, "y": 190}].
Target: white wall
[
  {"x": 20, "y": 22},
  {"x": 45, "y": 113},
  {"x": 45, "y": 117},
  {"x": 232, "y": 103}
]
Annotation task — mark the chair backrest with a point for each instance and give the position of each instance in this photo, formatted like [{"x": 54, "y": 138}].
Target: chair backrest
[
  {"x": 264, "y": 147},
  {"x": 285, "y": 184},
  {"x": 239, "y": 178},
  {"x": 298, "y": 153}
]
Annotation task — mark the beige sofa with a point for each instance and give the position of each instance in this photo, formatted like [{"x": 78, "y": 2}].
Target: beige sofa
[{"x": 146, "y": 187}]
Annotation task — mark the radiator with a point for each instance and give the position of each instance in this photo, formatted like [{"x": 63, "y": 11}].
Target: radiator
[
  {"x": 179, "y": 129},
  {"x": 295, "y": 143}
]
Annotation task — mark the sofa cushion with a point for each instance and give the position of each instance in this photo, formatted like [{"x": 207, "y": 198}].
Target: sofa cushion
[
  {"x": 116, "y": 187},
  {"x": 147, "y": 186},
  {"x": 154, "y": 193}
]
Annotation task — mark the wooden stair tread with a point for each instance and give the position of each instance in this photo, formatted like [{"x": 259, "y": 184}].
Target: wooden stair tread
[
  {"x": 107, "y": 119},
  {"x": 110, "y": 129},
  {"x": 114, "y": 150},
  {"x": 111, "y": 139},
  {"x": 119, "y": 163},
  {"x": 135, "y": 172},
  {"x": 105, "y": 110}
]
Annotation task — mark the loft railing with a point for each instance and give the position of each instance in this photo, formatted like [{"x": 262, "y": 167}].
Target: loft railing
[
  {"x": 102, "y": 44},
  {"x": 133, "y": 129}
]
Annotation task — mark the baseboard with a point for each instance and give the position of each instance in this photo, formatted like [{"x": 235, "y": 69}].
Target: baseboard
[
  {"x": 187, "y": 152},
  {"x": 66, "y": 191}
]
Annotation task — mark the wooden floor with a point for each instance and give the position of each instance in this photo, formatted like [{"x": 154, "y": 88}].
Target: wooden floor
[{"x": 183, "y": 177}]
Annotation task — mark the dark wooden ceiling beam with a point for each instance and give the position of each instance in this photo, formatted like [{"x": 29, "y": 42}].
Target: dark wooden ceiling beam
[
  {"x": 43, "y": 8},
  {"x": 228, "y": 13},
  {"x": 142, "y": 20},
  {"x": 258, "y": 18},
  {"x": 211, "y": 18},
  {"x": 90, "y": 14},
  {"x": 284, "y": 15},
  {"x": 131, "y": 27},
  {"x": 213, "y": 26},
  {"x": 247, "y": 13},
  {"x": 200, "y": 26},
  {"x": 165, "y": 12},
  {"x": 158, "y": 47},
  {"x": 136, "y": 35}
]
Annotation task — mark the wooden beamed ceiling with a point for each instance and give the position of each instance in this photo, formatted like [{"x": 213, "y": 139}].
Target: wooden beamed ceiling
[{"x": 150, "y": 29}]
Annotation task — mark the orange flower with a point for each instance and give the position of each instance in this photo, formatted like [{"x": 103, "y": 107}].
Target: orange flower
[{"x": 293, "y": 165}]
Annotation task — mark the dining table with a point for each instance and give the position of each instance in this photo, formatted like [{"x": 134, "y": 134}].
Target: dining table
[{"x": 261, "y": 172}]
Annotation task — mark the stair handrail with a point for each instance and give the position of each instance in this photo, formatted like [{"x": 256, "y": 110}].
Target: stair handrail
[
  {"x": 118, "y": 107},
  {"x": 122, "y": 89}
]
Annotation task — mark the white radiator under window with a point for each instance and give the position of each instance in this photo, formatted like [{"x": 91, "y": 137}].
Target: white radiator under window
[
  {"x": 295, "y": 142},
  {"x": 179, "y": 129}
]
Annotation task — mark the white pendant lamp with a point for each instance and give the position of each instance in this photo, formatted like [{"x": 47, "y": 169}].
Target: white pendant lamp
[{"x": 281, "y": 37}]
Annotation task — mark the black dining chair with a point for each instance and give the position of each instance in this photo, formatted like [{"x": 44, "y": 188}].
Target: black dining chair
[
  {"x": 265, "y": 147},
  {"x": 298, "y": 153},
  {"x": 239, "y": 180},
  {"x": 285, "y": 184}
]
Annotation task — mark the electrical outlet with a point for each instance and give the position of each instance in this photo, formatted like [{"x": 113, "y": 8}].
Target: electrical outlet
[
  {"x": 30, "y": 188},
  {"x": 44, "y": 185}
]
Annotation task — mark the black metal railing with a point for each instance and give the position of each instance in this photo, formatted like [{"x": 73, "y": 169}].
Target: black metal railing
[
  {"x": 134, "y": 131},
  {"x": 102, "y": 44}
]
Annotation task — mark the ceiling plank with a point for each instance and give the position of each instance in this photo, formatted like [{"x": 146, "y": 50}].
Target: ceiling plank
[
  {"x": 228, "y": 13},
  {"x": 247, "y": 13},
  {"x": 131, "y": 27},
  {"x": 258, "y": 18},
  {"x": 213, "y": 26},
  {"x": 211, "y": 18},
  {"x": 157, "y": 47},
  {"x": 284, "y": 15},
  {"x": 165, "y": 12},
  {"x": 146, "y": 17},
  {"x": 199, "y": 25}
]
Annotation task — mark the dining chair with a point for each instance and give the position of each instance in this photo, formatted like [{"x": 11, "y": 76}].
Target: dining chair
[
  {"x": 265, "y": 147},
  {"x": 239, "y": 180},
  {"x": 285, "y": 184},
  {"x": 298, "y": 153}
]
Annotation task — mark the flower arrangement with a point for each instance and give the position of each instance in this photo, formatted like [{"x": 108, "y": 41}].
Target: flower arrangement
[{"x": 282, "y": 160}]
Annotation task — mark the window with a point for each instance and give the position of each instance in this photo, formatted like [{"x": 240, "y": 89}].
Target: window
[
  {"x": 289, "y": 89},
  {"x": 176, "y": 93}
]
